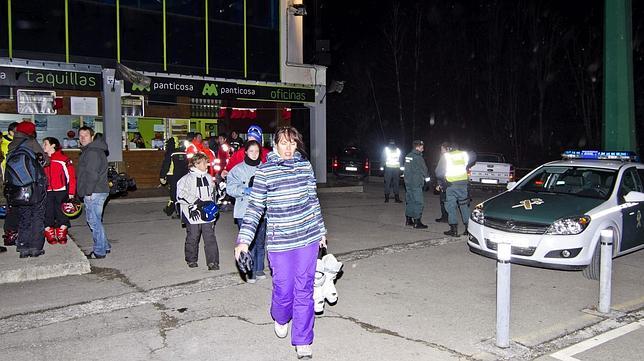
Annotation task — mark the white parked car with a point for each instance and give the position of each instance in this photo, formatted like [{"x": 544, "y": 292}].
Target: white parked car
[
  {"x": 491, "y": 170},
  {"x": 553, "y": 216}
]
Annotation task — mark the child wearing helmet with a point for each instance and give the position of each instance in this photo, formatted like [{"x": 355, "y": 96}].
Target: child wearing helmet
[
  {"x": 61, "y": 187},
  {"x": 195, "y": 195}
]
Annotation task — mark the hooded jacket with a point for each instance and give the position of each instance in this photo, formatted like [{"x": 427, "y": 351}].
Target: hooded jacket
[
  {"x": 236, "y": 181},
  {"x": 285, "y": 191},
  {"x": 196, "y": 185},
  {"x": 31, "y": 143},
  {"x": 91, "y": 175},
  {"x": 61, "y": 174}
]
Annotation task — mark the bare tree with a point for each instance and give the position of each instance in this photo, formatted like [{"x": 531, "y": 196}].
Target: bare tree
[
  {"x": 584, "y": 67},
  {"x": 417, "y": 55},
  {"x": 375, "y": 103},
  {"x": 543, "y": 29},
  {"x": 394, "y": 35}
]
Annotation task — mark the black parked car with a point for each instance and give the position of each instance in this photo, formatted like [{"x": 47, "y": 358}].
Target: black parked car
[{"x": 350, "y": 162}]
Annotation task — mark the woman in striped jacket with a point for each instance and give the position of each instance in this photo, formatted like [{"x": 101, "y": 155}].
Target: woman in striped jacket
[{"x": 284, "y": 190}]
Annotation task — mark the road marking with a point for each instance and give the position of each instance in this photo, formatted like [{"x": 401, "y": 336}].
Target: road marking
[{"x": 566, "y": 354}]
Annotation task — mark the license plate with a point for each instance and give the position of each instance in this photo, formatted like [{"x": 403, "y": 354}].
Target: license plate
[
  {"x": 498, "y": 238},
  {"x": 352, "y": 169},
  {"x": 490, "y": 181}
]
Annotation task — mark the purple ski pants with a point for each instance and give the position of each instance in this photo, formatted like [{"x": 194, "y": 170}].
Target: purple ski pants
[{"x": 293, "y": 275}]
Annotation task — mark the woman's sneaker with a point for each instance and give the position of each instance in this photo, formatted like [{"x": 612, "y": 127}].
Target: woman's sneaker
[
  {"x": 304, "y": 352},
  {"x": 281, "y": 330}
]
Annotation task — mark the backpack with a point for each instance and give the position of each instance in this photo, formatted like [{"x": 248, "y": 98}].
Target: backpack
[{"x": 24, "y": 177}]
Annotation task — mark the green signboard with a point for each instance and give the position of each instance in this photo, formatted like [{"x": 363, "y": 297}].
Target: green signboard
[
  {"x": 50, "y": 79},
  {"x": 223, "y": 90}
]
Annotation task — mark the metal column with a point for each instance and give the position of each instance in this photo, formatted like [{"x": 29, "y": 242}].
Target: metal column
[{"x": 619, "y": 112}]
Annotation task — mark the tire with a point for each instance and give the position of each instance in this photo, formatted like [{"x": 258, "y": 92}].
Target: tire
[{"x": 591, "y": 271}]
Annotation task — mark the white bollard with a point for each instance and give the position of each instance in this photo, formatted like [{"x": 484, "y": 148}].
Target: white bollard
[
  {"x": 503, "y": 276},
  {"x": 605, "y": 269}
]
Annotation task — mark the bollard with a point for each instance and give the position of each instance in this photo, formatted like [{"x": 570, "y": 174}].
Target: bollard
[
  {"x": 605, "y": 270},
  {"x": 504, "y": 253}
]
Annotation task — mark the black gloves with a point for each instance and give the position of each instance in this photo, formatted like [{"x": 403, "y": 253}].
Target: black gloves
[{"x": 245, "y": 262}]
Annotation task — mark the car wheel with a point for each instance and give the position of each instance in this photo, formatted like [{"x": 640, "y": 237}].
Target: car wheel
[{"x": 591, "y": 271}]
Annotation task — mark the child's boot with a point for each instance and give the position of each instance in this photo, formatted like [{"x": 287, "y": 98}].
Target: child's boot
[
  {"x": 61, "y": 234},
  {"x": 50, "y": 235}
]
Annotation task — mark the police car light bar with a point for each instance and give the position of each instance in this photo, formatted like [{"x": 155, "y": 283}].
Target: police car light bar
[{"x": 596, "y": 154}]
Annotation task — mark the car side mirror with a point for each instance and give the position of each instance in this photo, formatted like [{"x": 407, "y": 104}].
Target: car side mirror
[
  {"x": 510, "y": 185},
  {"x": 634, "y": 196}
]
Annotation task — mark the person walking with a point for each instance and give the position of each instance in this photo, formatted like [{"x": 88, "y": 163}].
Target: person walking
[
  {"x": 285, "y": 190},
  {"x": 239, "y": 185},
  {"x": 91, "y": 184},
  {"x": 416, "y": 177},
  {"x": 173, "y": 168},
  {"x": 10, "y": 226},
  {"x": 61, "y": 185},
  {"x": 452, "y": 169},
  {"x": 194, "y": 190},
  {"x": 26, "y": 157},
  {"x": 391, "y": 159}
]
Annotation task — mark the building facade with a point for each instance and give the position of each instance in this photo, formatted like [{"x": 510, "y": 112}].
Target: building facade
[{"x": 215, "y": 66}]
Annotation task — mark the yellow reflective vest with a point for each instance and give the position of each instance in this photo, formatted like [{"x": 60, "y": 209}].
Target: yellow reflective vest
[{"x": 456, "y": 166}]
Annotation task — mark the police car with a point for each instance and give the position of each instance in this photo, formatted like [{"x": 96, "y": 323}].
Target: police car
[{"x": 553, "y": 216}]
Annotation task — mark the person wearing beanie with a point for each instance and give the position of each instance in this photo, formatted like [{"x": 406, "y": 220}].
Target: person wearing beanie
[
  {"x": 31, "y": 218},
  {"x": 254, "y": 133}
]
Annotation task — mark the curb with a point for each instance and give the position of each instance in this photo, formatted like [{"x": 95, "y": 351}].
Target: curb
[{"x": 58, "y": 261}]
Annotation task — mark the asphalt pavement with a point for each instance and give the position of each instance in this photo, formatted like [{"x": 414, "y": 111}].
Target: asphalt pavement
[{"x": 405, "y": 294}]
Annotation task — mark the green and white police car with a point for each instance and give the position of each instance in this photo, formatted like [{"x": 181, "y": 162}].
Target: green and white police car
[{"x": 552, "y": 217}]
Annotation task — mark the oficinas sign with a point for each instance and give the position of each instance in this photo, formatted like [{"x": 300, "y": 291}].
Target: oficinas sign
[
  {"x": 50, "y": 79},
  {"x": 223, "y": 90}
]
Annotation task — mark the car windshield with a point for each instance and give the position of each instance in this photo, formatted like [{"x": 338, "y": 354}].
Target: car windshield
[
  {"x": 579, "y": 181},
  {"x": 352, "y": 153},
  {"x": 489, "y": 158}
]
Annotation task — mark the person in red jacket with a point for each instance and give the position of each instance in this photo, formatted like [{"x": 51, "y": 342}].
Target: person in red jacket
[
  {"x": 254, "y": 133},
  {"x": 197, "y": 145},
  {"x": 61, "y": 185}
]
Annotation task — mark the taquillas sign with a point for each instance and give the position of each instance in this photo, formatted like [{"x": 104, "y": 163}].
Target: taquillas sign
[
  {"x": 223, "y": 90},
  {"x": 50, "y": 79}
]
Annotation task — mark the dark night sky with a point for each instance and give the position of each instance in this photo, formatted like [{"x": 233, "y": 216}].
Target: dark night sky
[{"x": 520, "y": 77}]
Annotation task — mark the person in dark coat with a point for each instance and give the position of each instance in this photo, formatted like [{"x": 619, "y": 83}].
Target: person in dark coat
[
  {"x": 31, "y": 218},
  {"x": 92, "y": 185}
]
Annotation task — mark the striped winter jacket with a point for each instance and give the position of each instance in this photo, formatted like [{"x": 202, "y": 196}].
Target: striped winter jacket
[{"x": 285, "y": 190}]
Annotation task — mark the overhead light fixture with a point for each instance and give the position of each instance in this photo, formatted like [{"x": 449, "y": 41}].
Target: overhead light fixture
[{"x": 297, "y": 9}]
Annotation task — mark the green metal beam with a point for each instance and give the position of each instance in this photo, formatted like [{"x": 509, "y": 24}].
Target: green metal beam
[
  {"x": 245, "y": 49},
  {"x": 67, "y": 31},
  {"x": 207, "y": 54},
  {"x": 9, "y": 29},
  {"x": 118, "y": 31},
  {"x": 619, "y": 112},
  {"x": 165, "y": 57}
]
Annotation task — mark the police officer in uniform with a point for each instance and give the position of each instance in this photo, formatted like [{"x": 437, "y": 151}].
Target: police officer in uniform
[
  {"x": 174, "y": 166},
  {"x": 391, "y": 160},
  {"x": 416, "y": 178},
  {"x": 452, "y": 169}
]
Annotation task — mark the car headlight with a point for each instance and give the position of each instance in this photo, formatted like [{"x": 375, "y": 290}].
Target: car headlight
[
  {"x": 478, "y": 215},
  {"x": 569, "y": 225}
]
